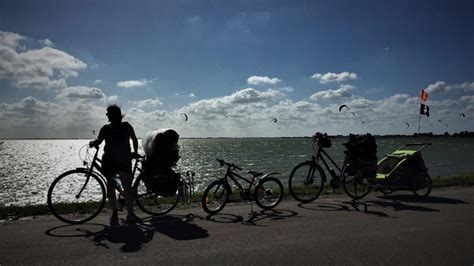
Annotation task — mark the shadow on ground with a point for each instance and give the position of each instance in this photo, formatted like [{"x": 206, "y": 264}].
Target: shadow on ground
[
  {"x": 253, "y": 217},
  {"x": 393, "y": 202},
  {"x": 133, "y": 236},
  {"x": 429, "y": 199}
]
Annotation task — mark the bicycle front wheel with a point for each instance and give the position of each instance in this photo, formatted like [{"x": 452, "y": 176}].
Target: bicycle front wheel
[
  {"x": 306, "y": 182},
  {"x": 215, "y": 197},
  {"x": 152, "y": 202},
  {"x": 356, "y": 187},
  {"x": 268, "y": 193},
  {"x": 76, "y": 196}
]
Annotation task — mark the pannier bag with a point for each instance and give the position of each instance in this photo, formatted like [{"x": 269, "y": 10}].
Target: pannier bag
[
  {"x": 161, "y": 155},
  {"x": 163, "y": 183},
  {"x": 161, "y": 149},
  {"x": 361, "y": 156}
]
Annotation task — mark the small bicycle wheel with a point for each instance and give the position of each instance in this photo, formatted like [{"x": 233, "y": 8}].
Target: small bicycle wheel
[
  {"x": 268, "y": 193},
  {"x": 215, "y": 197},
  {"x": 76, "y": 196},
  {"x": 306, "y": 182},
  {"x": 422, "y": 185},
  {"x": 356, "y": 187},
  {"x": 152, "y": 202}
]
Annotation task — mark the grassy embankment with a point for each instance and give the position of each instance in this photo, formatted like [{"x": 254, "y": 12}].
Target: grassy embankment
[{"x": 15, "y": 212}]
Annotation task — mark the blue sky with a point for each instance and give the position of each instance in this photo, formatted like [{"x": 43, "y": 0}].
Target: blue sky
[{"x": 233, "y": 66}]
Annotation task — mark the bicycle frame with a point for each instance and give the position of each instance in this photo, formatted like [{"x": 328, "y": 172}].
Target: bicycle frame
[
  {"x": 233, "y": 176},
  {"x": 97, "y": 164},
  {"x": 320, "y": 154}
]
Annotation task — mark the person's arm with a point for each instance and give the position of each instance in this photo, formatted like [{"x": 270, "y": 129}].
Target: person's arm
[
  {"x": 99, "y": 139},
  {"x": 134, "y": 139}
]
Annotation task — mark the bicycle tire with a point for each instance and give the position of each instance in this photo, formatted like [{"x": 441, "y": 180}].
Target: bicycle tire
[
  {"x": 152, "y": 202},
  {"x": 266, "y": 191},
  {"x": 215, "y": 197},
  {"x": 300, "y": 188},
  {"x": 422, "y": 181},
  {"x": 357, "y": 183},
  {"x": 76, "y": 209}
]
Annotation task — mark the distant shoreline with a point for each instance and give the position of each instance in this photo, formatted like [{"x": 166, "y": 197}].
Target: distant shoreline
[{"x": 422, "y": 135}]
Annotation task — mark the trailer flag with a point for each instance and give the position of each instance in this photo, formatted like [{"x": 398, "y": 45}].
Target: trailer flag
[
  {"x": 424, "y": 95},
  {"x": 424, "y": 110}
]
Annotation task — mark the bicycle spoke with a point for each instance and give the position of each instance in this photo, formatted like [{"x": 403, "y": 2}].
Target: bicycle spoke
[
  {"x": 306, "y": 182},
  {"x": 76, "y": 196}
]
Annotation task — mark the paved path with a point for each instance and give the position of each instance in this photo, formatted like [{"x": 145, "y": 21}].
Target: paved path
[{"x": 395, "y": 230}]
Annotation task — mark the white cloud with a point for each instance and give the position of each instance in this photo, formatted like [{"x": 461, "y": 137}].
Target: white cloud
[
  {"x": 98, "y": 81},
  {"x": 467, "y": 98},
  {"x": 45, "y": 68},
  {"x": 258, "y": 80},
  {"x": 10, "y": 39},
  {"x": 112, "y": 99},
  {"x": 27, "y": 107},
  {"x": 47, "y": 42},
  {"x": 80, "y": 93},
  {"x": 400, "y": 97},
  {"x": 191, "y": 95},
  {"x": 437, "y": 87},
  {"x": 133, "y": 83},
  {"x": 334, "y": 77},
  {"x": 343, "y": 92},
  {"x": 288, "y": 89},
  {"x": 148, "y": 103},
  {"x": 441, "y": 86},
  {"x": 242, "y": 101}
]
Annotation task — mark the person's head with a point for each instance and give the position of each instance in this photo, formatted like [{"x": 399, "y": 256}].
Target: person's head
[{"x": 114, "y": 113}]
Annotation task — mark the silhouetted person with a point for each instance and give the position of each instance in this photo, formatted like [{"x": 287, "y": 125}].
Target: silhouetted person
[{"x": 117, "y": 159}]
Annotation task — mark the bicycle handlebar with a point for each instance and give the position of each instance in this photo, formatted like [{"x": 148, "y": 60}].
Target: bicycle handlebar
[
  {"x": 133, "y": 155},
  {"x": 230, "y": 165}
]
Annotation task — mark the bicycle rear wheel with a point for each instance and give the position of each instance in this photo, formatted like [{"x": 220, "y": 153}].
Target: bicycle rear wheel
[
  {"x": 422, "y": 185},
  {"x": 268, "y": 193},
  {"x": 306, "y": 182},
  {"x": 356, "y": 187},
  {"x": 215, "y": 197},
  {"x": 76, "y": 196},
  {"x": 152, "y": 202}
]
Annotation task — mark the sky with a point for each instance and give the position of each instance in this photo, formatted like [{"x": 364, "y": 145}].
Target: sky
[{"x": 236, "y": 68}]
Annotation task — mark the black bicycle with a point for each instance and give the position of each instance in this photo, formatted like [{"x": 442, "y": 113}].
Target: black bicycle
[
  {"x": 264, "y": 189},
  {"x": 307, "y": 179},
  {"x": 78, "y": 195}
]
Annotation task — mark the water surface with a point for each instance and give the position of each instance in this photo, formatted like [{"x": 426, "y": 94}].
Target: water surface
[{"x": 27, "y": 167}]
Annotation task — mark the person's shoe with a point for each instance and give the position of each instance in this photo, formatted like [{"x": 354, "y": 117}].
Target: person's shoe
[
  {"x": 133, "y": 219},
  {"x": 114, "y": 221}
]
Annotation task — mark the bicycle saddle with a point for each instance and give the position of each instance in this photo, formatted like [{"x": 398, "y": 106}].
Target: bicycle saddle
[{"x": 255, "y": 174}]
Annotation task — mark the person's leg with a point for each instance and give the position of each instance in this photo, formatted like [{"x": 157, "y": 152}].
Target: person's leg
[
  {"x": 113, "y": 203},
  {"x": 127, "y": 191}
]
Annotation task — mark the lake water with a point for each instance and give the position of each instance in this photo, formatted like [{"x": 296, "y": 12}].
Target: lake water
[{"x": 27, "y": 167}]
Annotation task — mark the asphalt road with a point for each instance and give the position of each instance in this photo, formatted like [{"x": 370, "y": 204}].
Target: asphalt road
[{"x": 394, "y": 230}]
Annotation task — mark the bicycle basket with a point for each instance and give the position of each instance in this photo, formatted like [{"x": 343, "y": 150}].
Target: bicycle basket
[{"x": 324, "y": 141}]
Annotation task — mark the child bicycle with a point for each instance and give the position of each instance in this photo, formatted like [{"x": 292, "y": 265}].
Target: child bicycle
[
  {"x": 266, "y": 190},
  {"x": 307, "y": 179},
  {"x": 78, "y": 195}
]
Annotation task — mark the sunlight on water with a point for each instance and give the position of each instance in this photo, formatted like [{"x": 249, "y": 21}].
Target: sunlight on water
[{"x": 27, "y": 167}]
